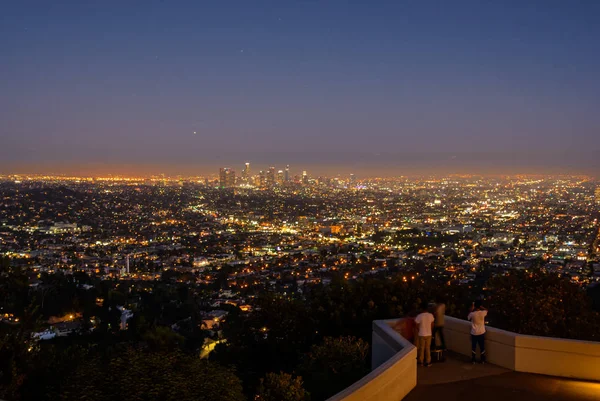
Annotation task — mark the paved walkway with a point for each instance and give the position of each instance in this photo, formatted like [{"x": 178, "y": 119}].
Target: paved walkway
[{"x": 458, "y": 380}]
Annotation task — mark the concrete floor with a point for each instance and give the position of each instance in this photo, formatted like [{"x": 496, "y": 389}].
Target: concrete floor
[
  {"x": 455, "y": 368},
  {"x": 458, "y": 380}
]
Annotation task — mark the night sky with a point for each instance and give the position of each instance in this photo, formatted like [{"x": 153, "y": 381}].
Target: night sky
[{"x": 369, "y": 87}]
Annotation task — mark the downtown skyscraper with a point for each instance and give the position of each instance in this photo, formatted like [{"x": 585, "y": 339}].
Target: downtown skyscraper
[{"x": 226, "y": 177}]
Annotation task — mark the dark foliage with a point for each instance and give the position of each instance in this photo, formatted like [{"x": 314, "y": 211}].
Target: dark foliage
[
  {"x": 281, "y": 387},
  {"x": 334, "y": 365}
]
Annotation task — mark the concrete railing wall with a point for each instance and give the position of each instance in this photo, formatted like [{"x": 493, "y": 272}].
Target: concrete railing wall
[
  {"x": 394, "y": 368},
  {"x": 499, "y": 344},
  {"x": 530, "y": 354}
]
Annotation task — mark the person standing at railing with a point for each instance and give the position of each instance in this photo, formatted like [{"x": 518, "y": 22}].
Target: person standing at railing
[
  {"x": 438, "y": 326},
  {"x": 424, "y": 321},
  {"x": 407, "y": 327},
  {"x": 477, "y": 318}
]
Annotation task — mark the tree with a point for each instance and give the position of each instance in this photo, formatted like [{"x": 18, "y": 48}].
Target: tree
[
  {"x": 162, "y": 338},
  {"x": 50, "y": 362},
  {"x": 334, "y": 365},
  {"x": 13, "y": 363},
  {"x": 594, "y": 294},
  {"x": 281, "y": 387},
  {"x": 4, "y": 264},
  {"x": 134, "y": 374},
  {"x": 270, "y": 338},
  {"x": 15, "y": 356},
  {"x": 542, "y": 304},
  {"x": 14, "y": 292}
]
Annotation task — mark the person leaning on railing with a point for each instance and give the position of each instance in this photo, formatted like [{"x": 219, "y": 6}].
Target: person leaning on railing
[
  {"x": 439, "y": 312},
  {"x": 477, "y": 318},
  {"x": 424, "y": 321}
]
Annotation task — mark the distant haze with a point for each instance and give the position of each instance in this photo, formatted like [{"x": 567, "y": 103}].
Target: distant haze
[
  {"x": 371, "y": 88},
  {"x": 361, "y": 164}
]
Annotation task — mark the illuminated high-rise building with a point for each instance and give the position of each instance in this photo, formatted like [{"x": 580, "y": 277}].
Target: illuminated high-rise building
[
  {"x": 226, "y": 177},
  {"x": 352, "y": 179},
  {"x": 246, "y": 172},
  {"x": 280, "y": 177},
  {"x": 304, "y": 177},
  {"x": 262, "y": 179},
  {"x": 271, "y": 177},
  {"x": 287, "y": 173},
  {"x": 222, "y": 177},
  {"x": 598, "y": 195}
]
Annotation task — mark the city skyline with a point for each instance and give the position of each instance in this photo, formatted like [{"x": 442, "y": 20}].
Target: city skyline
[
  {"x": 461, "y": 87},
  {"x": 364, "y": 165}
]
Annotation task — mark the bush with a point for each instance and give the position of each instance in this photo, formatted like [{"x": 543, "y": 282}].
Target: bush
[
  {"x": 136, "y": 375},
  {"x": 281, "y": 387},
  {"x": 334, "y": 365},
  {"x": 542, "y": 304}
]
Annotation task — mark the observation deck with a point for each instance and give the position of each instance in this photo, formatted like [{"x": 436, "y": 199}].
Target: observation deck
[{"x": 521, "y": 367}]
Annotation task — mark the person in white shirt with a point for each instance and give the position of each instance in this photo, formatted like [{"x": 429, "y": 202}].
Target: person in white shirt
[
  {"x": 477, "y": 318},
  {"x": 424, "y": 321}
]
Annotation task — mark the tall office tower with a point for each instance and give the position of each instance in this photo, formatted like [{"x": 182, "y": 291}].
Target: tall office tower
[
  {"x": 271, "y": 177},
  {"x": 226, "y": 177},
  {"x": 231, "y": 179},
  {"x": 222, "y": 177},
  {"x": 246, "y": 172},
  {"x": 280, "y": 177},
  {"x": 352, "y": 179},
  {"x": 287, "y": 173},
  {"x": 262, "y": 179},
  {"x": 304, "y": 177}
]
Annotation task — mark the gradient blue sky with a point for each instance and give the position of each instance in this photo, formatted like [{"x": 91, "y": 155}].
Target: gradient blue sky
[{"x": 454, "y": 86}]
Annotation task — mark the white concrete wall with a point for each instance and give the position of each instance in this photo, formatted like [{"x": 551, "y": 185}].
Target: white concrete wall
[
  {"x": 385, "y": 343},
  {"x": 394, "y": 373},
  {"x": 499, "y": 344},
  {"x": 558, "y": 357},
  {"x": 530, "y": 354}
]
